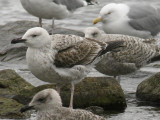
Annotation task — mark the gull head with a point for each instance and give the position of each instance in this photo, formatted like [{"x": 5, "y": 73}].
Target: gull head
[
  {"x": 92, "y": 32},
  {"x": 35, "y": 38},
  {"x": 112, "y": 12},
  {"x": 44, "y": 100}
]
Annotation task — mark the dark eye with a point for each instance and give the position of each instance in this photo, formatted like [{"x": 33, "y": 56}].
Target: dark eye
[
  {"x": 94, "y": 34},
  {"x": 34, "y": 36},
  {"x": 42, "y": 100}
]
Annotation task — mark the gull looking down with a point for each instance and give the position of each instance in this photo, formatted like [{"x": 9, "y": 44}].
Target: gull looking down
[
  {"x": 49, "y": 106},
  {"x": 134, "y": 19},
  {"x": 134, "y": 52},
  {"x": 62, "y": 58},
  {"x": 53, "y": 9}
]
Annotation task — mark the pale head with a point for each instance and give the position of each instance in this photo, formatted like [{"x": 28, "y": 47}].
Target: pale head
[
  {"x": 36, "y": 37},
  {"x": 112, "y": 12},
  {"x": 92, "y": 32},
  {"x": 46, "y": 99}
]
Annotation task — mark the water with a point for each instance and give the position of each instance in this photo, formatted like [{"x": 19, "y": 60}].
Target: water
[{"x": 11, "y": 10}]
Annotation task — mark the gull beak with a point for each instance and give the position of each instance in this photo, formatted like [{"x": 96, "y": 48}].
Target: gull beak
[
  {"x": 18, "y": 40},
  {"x": 99, "y": 19},
  {"x": 26, "y": 108}
]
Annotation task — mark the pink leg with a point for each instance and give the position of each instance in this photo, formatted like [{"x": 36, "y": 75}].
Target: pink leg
[
  {"x": 71, "y": 99},
  {"x": 58, "y": 88}
]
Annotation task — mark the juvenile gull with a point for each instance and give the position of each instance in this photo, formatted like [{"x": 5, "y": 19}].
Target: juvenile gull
[
  {"x": 134, "y": 19},
  {"x": 53, "y": 9},
  {"x": 49, "y": 106},
  {"x": 133, "y": 53},
  {"x": 62, "y": 58}
]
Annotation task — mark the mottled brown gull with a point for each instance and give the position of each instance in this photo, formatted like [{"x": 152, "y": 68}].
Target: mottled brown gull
[
  {"x": 134, "y": 53},
  {"x": 140, "y": 20},
  {"x": 62, "y": 59},
  {"x": 53, "y": 9},
  {"x": 49, "y": 106}
]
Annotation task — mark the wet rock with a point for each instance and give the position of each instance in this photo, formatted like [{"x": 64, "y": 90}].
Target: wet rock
[
  {"x": 149, "y": 89},
  {"x": 10, "y": 85},
  {"x": 95, "y": 109},
  {"x": 92, "y": 91},
  {"x": 10, "y": 108},
  {"x": 16, "y": 53}
]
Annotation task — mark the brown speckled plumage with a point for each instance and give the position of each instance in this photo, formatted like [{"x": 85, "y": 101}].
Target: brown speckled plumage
[
  {"x": 49, "y": 107},
  {"x": 74, "y": 50},
  {"x": 133, "y": 54},
  {"x": 62, "y": 113}
]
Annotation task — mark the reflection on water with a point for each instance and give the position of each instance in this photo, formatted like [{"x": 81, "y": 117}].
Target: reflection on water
[{"x": 11, "y": 10}]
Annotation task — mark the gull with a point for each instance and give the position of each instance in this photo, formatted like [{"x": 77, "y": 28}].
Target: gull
[
  {"x": 62, "y": 58},
  {"x": 134, "y": 19},
  {"x": 49, "y": 106},
  {"x": 134, "y": 53},
  {"x": 53, "y": 9}
]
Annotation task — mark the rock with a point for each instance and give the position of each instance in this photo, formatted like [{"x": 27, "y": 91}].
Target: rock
[
  {"x": 16, "y": 53},
  {"x": 10, "y": 85},
  {"x": 92, "y": 91},
  {"x": 10, "y": 108},
  {"x": 15, "y": 92},
  {"x": 95, "y": 109},
  {"x": 149, "y": 89}
]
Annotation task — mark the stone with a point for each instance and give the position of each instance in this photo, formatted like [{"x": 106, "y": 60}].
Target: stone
[
  {"x": 149, "y": 89},
  {"x": 10, "y": 85},
  {"x": 92, "y": 91},
  {"x": 15, "y": 92},
  {"x": 10, "y": 108}
]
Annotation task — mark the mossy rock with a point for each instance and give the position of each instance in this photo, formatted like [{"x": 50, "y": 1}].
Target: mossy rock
[
  {"x": 11, "y": 83},
  {"x": 149, "y": 89},
  {"x": 10, "y": 108},
  {"x": 92, "y": 91}
]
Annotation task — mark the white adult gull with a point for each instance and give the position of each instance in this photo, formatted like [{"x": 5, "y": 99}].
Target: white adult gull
[
  {"x": 53, "y": 9},
  {"x": 49, "y": 107},
  {"x": 133, "y": 54},
  {"x": 134, "y": 19},
  {"x": 62, "y": 59}
]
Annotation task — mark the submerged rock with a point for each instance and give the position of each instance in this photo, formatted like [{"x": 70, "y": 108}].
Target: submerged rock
[
  {"x": 149, "y": 89},
  {"x": 16, "y": 53}
]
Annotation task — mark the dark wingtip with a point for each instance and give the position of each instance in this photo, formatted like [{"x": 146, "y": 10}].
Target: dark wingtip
[
  {"x": 18, "y": 40},
  {"x": 26, "y": 108}
]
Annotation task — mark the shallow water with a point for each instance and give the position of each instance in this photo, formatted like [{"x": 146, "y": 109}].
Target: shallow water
[{"x": 11, "y": 10}]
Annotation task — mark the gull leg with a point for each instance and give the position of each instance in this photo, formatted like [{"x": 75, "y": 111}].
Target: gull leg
[
  {"x": 72, "y": 93},
  {"x": 58, "y": 88},
  {"x": 52, "y": 25},
  {"x": 40, "y": 22}
]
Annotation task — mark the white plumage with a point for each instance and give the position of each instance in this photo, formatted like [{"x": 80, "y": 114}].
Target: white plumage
[
  {"x": 52, "y": 9},
  {"x": 134, "y": 19}
]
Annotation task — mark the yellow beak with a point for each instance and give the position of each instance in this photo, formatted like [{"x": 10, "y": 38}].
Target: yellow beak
[{"x": 99, "y": 19}]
